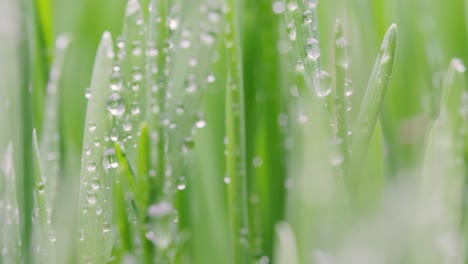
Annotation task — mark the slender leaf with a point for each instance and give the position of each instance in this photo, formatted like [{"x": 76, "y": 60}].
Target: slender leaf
[{"x": 94, "y": 220}]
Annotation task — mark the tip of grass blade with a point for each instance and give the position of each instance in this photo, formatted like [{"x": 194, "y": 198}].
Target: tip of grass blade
[
  {"x": 286, "y": 247},
  {"x": 133, "y": 6}
]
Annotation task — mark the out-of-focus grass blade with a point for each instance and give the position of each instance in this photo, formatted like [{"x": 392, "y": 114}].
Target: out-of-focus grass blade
[
  {"x": 235, "y": 136},
  {"x": 263, "y": 105},
  {"x": 442, "y": 181},
  {"x": 46, "y": 235},
  {"x": 10, "y": 235},
  {"x": 10, "y": 242},
  {"x": 44, "y": 17},
  {"x": 209, "y": 225},
  {"x": 50, "y": 140},
  {"x": 94, "y": 225},
  {"x": 370, "y": 107},
  {"x": 315, "y": 193},
  {"x": 370, "y": 185},
  {"x": 285, "y": 248}
]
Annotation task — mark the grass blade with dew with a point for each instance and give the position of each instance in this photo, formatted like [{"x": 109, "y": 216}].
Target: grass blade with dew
[
  {"x": 302, "y": 26},
  {"x": 142, "y": 196},
  {"x": 286, "y": 248},
  {"x": 128, "y": 98},
  {"x": 45, "y": 233},
  {"x": 442, "y": 180},
  {"x": 370, "y": 107},
  {"x": 50, "y": 140},
  {"x": 342, "y": 93},
  {"x": 94, "y": 229},
  {"x": 158, "y": 52},
  {"x": 236, "y": 177}
]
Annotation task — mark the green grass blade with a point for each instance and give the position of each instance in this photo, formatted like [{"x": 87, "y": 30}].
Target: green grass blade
[
  {"x": 93, "y": 217},
  {"x": 371, "y": 105},
  {"x": 443, "y": 173},
  {"x": 286, "y": 248},
  {"x": 143, "y": 194},
  {"x": 22, "y": 144},
  {"x": 129, "y": 103},
  {"x": 44, "y": 17},
  {"x": 158, "y": 35},
  {"x": 125, "y": 167},
  {"x": 50, "y": 140},
  {"x": 263, "y": 106},
  {"x": 124, "y": 181},
  {"x": 371, "y": 182},
  {"x": 315, "y": 192},
  {"x": 236, "y": 177},
  {"x": 46, "y": 235},
  {"x": 10, "y": 240},
  {"x": 342, "y": 94}
]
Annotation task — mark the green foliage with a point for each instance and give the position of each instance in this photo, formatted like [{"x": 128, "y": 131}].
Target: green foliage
[{"x": 223, "y": 131}]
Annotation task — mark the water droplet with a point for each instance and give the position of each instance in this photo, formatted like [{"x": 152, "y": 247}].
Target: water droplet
[
  {"x": 348, "y": 89},
  {"x": 307, "y": 17},
  {"x": 52, "y": 237},
  {"x": 88, "y": 93},
  {"x": 91, "y": 126},
  {"x": 160, "y": 209},
  {"x": 188, "y": 145},
  {"x": 313, "y": 48},
  {"x": 257, "y": 162},
  {"x": 98, "y": 210},
  {"x": 91, "y": 166},
  {"x": 292, "y": 6},
  {"x": 115, "y": 105},
  {"x": 292, "y": 33},
  {"x": 312, "y": 3},
  {"x": 322, "y": 84},
  {"x": 458, "y": 65},
  {"x": 92, "y": 199},
  {"x": 182, "y": 183},
  {"x": 173, "y": 23},
  {"x": 299, "y": 67},
  {"x": 135, "y": 108},
  {"x": 211, "y": 78},
  {"x": 95, "y": 185},
  {"x": 302, "y": 118},
  {"x": 200, "y": 123},
  {"x": 136, "y": 48},
  {"x": 208, "y": 38},
  {"x": 127, "y": 126},
  {"x": 110, "y": 159},
  {"x": 278, "y": 7},
  {"x": 227, "y": 180},
  {"x": 185, "y": 44}
]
